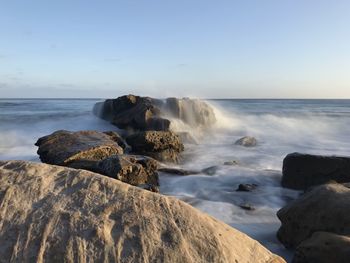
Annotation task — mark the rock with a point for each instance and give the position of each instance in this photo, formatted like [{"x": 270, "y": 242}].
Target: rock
[
  {"x": 323, "y": 208},
  {"x": 144, "y": 113},
  {"x": 58, "y": 214},
  {"x": 177, "y": 171},
  {"x": 63, "y": 147},
  {"x": 247, "y": 206},
  {"x": 164, "y": 146},
  {"x": 247, "y": 141},
  {"x": 246, "y": 187},
  {"x": 323, "y": 247},
  {"x": 301, "y": 171},
  {"x": 210, "y": 170}
]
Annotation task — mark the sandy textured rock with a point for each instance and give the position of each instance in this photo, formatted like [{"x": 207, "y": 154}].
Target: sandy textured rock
[
  {"x": 63, "y": 147},
  {"x": 161, "y": 145},
  {"x": 145, "y": 113},
  {"x": 301, "y": 171},
  {"x": 57, "y": 214},
  {"x": 324, "y": 208},
  {"x": 323, "y": 247}
]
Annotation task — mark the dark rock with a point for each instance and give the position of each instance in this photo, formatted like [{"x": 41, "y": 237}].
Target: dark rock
[
  {"x": 160, "y": 145},
  {"x": 247, "y": 141},
  {"x": 323, "y": 208},
  {"x": 144, "y": 113},
  {"x": 63, "y": 147},
  {"x": 177, "y": 171},
  {"x": 232, "y": 163},
  {"x": 210, "y": 170},
  {"x": 247, "y": 206},
  {"x": 246, "y": 187},
  {"x": 301, "y": 171},
  {"x": 323, "y": 247}
]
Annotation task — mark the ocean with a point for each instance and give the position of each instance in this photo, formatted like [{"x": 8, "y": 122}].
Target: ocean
[{"x": 280, "y": 126}]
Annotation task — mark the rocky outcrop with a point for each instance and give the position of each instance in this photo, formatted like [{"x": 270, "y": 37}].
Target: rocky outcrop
[
  {"x": 324, "y": 208},
  {"x": 301, "y": 171},
  {"x": 247, "y": 141},
  {"x": 145, "y": 113},
  {"x": 64, "y": 147},
  {"x": 323, "y": 247},
  {"x": 164, "y": 146},
  {"x": 131, "y": 169},
  {"x": 57, "y": 214}
]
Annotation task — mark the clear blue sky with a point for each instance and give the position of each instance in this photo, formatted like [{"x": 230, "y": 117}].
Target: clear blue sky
[{"x": 247, "y": 49}]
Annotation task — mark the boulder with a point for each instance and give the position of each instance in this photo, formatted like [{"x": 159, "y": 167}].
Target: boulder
[
  {"x": 64, "y": 147},
  {"x": 247, "y": 141},
  {"x": 131, "y": 169},
  {"x": 145, "y": 113},
  {"x": 323, "y": 208},
  {"x": 177, "y": 171},
  {"x": 246, "y": 187},
  {"x": 301, "y": 171},
  {"x": 164, "y": 146},
  {"x": 323, "y": 247},
  {"x": 58, "y": 214}
]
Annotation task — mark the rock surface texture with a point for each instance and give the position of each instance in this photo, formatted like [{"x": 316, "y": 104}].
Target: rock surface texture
[
  {"x": 161, "y": 145},
  {"x": 301, "y": 171},
  {"x": 144, "y": 113},
  {"x": 65, "y": 147},
  {"x": 57, "y": 214},
  {"x": 323, "y": 247},
  {"x": 324, "y": 208},
  {"x": 247, "y": 141}
]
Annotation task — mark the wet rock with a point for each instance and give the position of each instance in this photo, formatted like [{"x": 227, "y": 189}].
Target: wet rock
[
  {"x": 323, "y": 247},
  {"x": 247, "y": 141},
  {"x": 301, "y": 171},
  {"x": 246, "y": 187},
  {"x": 247, "y": 206},
  {"x": 232, "y": 163},
  {"x": 63, "y": 147},
  {"x": 324, "y": 208},
  {"x": 164, "y": 146},
  {"x": 145, "y": 113},
  {"x": 210, "y": 170},
  {"x": 58, "y": 214},
  {"x": 177, "y": 171}
]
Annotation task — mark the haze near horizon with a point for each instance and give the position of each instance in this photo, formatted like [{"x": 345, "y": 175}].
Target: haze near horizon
[{"x": 209, "y": 49}]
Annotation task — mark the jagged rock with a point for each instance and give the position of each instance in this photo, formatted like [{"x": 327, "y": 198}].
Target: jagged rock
[
  {"x": 164, "y": 146},
  {"x": 177, "y": 171},
  {"x": 323, "y": 247},
  {"x": 63, "y": 147},
  {"x": 323, "y": 208},
  {"x": 58, "y": 214},
  {"x": 247, "y": 141},
  {"x": 301, "y": 171},
  {"x": 144, "y": 113},
  {"x": 246, "y": 187}
]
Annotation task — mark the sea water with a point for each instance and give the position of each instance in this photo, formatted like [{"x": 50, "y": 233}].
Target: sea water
[{"x": 280, "y": 126}]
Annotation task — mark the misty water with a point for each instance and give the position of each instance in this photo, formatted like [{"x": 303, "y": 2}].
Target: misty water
[{"x": 280, "y": 126}]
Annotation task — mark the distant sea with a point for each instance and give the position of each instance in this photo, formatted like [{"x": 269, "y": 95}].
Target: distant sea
[{"x": 280, "y": 126}]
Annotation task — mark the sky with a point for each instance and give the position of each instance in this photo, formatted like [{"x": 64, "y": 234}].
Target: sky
[{"x": 161, "y": 48}]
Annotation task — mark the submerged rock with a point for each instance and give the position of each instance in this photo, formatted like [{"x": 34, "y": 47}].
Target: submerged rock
[
  {"x": 247, "y": 141},
  {"x": 145, "y": 113},
  {"x": 324, "y": 208},
  {"x": 246, "y": 187},
  {"x": 247, "y": 206},
  {"x": 177, "y": 171},
  {"x": 301, "y": 171},
  {"x": 323, "y": 247},
  {"x": 164, "y": 146},
  {"x": 57, "y": 214},
  {"x": 231, "y": 163},
  {"x": 210, "y": 170},
  {"x": 64, "y": 147}
]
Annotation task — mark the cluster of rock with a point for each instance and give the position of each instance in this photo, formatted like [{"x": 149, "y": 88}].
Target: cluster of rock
[
  {"x": 59, "y": 214},
  {"x": 317, "y": 224}
]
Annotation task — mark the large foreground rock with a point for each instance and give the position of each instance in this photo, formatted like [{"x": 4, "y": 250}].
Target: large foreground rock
[
  {"x": 66, "y": 147},
  {"x": 145, "y": 113},
  {"x": 323, "y": 247},
  {"x": 164, "y": 146},
  {"x": 324, "y": 208},
  {"x": 57, "y": 214},
  {"x": 301, "y": 171}
]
